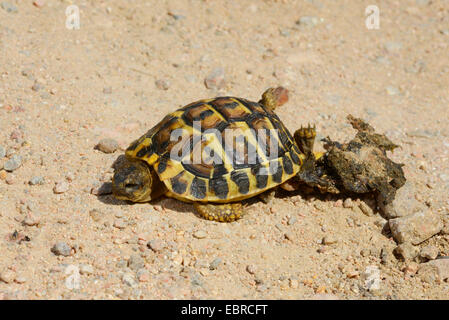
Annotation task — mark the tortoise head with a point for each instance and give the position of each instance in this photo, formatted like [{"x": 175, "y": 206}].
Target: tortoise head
[{"x": 134, "y": 180}]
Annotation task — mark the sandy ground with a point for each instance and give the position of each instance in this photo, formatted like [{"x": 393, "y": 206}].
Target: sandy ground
[{"x": 130, "y": 63}]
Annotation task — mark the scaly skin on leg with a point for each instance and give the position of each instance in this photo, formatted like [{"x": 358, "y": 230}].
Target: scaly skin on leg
[
  {"x": 305, "y": 138},
  {"x": 226, "y": 212},
  {"x": 309, "y": 173}
]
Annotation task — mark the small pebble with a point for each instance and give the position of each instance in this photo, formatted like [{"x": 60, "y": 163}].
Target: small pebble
[
  {"x": 36, "y": 180},
  {"x": 107, "y": 145},
  {"x": 162, "y": 84},
  {"x": 392, "y": 91},
  {"x": 348, "y": 203},
  {"x": 329, "y": 239},
  {"x": 411, "y": 268},
  {"x": 120, "y": 224},
  {"x": 143, "y": 275},
  {"x": 156, "y": 245},
  {"x": 308, "y": 21},
  {"x": 107, "y": 90},
  {"x": 7, "y": 276},
  {"x": 289, "y": 236},
  {"x": 366, "y": 209},
  {"x": 2, "y": 152},
  {"x": 200, "y": 234},
  {"x": 215, "y": 263},
  {"x": 365, "y": 252},
  {"x": 95, "y": 214},
  {"x": 20, "y": 279},
  {"x": 36, "y": 86},
  {"x": 215, "y": 79},
  {"x": 14, "y": 163},
  {"x": 39, "y": 3},
  {"x": 9, "y": 7},
  {"x": 129, "y": 280},
  {"x": 61, "y": 187},
  {"x": 10, "y": 179},
  {"x": 294, "y": 284},
  {"x": 406, "y": 251},
  {"x": 32, "y": 219},
  {"x": 292, "y": 221},
  {"x": 338, "y": 203},
  {"x": 251, "y": 269},
  {"x": 62, "y": 249},
  {"x": 86, "y": 269},
  {"x": 393, "y": 47},
  {"x": 136, "y": 262},
  {"x": 429, "y": 252}
]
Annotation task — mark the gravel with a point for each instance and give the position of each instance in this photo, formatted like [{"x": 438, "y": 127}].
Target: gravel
[
  {"x": 215, "y": 263},
  {"x": 308, "y": 21},
  {"x": 392, "y": 91},
  {"x": 215, "y": 79},
  {"x": 292, "y": 221},
  {"x": 13, "y": 163},
  {"x": 200, "y": 234},
  {"x": 61, "y": 249},
  {"x": 429, "y": 252},
  {"x": 129, "y": 280},
  {"x": 251, "y": 269},
  {"x": 393, "y": 47},
  {"x": 435, "y": 270},
  {"x": 86, "y": 269},
  {"x": 2, "y": 152},
  {"x": 366, "y": 209},
  {"x": 7, "y": 276},
  {"x": 107, "y": 145},
  {"x": 136, "y": 262},
  {"x": 329, "y": 239},
  {"x": 162, "y": 84},
  {"x": 348, "y": 203},
  {"x": 36, "y": 86},
  {"x": 416, "y": 227},
  {"x": 120, "y": 224},
  {"x": 404, "y": 203},
  {"x": 61, "y": 187},
  {"x": 407, "y": 251},
  {"x": 107, "y": 90},
  {"x": 156, "y": 245},
  {"x": 32, "y": 219},
  {"x": 9, "y": 7},
  {"x": 36, "y": 180},
  {"x": 143, "y": 275}
]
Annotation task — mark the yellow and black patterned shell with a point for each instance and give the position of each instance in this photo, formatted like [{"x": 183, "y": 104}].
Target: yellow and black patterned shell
[{"x": 253, "y": 162}]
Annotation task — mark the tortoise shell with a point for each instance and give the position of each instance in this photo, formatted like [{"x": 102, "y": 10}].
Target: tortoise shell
[{"x": 199, "y": 159}]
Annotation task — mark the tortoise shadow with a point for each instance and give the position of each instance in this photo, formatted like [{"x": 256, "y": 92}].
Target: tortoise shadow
[{"x": 106, "y": 197}]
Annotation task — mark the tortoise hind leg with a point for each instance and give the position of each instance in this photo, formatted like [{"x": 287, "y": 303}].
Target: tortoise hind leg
[{"x": 226, "y": 212}]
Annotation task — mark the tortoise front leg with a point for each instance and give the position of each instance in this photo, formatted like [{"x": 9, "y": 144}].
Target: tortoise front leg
[
  {"x": 311, "y": 173},
  {"x": 226, "y": 212}
]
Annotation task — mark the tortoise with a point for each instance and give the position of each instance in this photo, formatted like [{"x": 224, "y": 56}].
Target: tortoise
[{"x": 184, "y": 156}]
